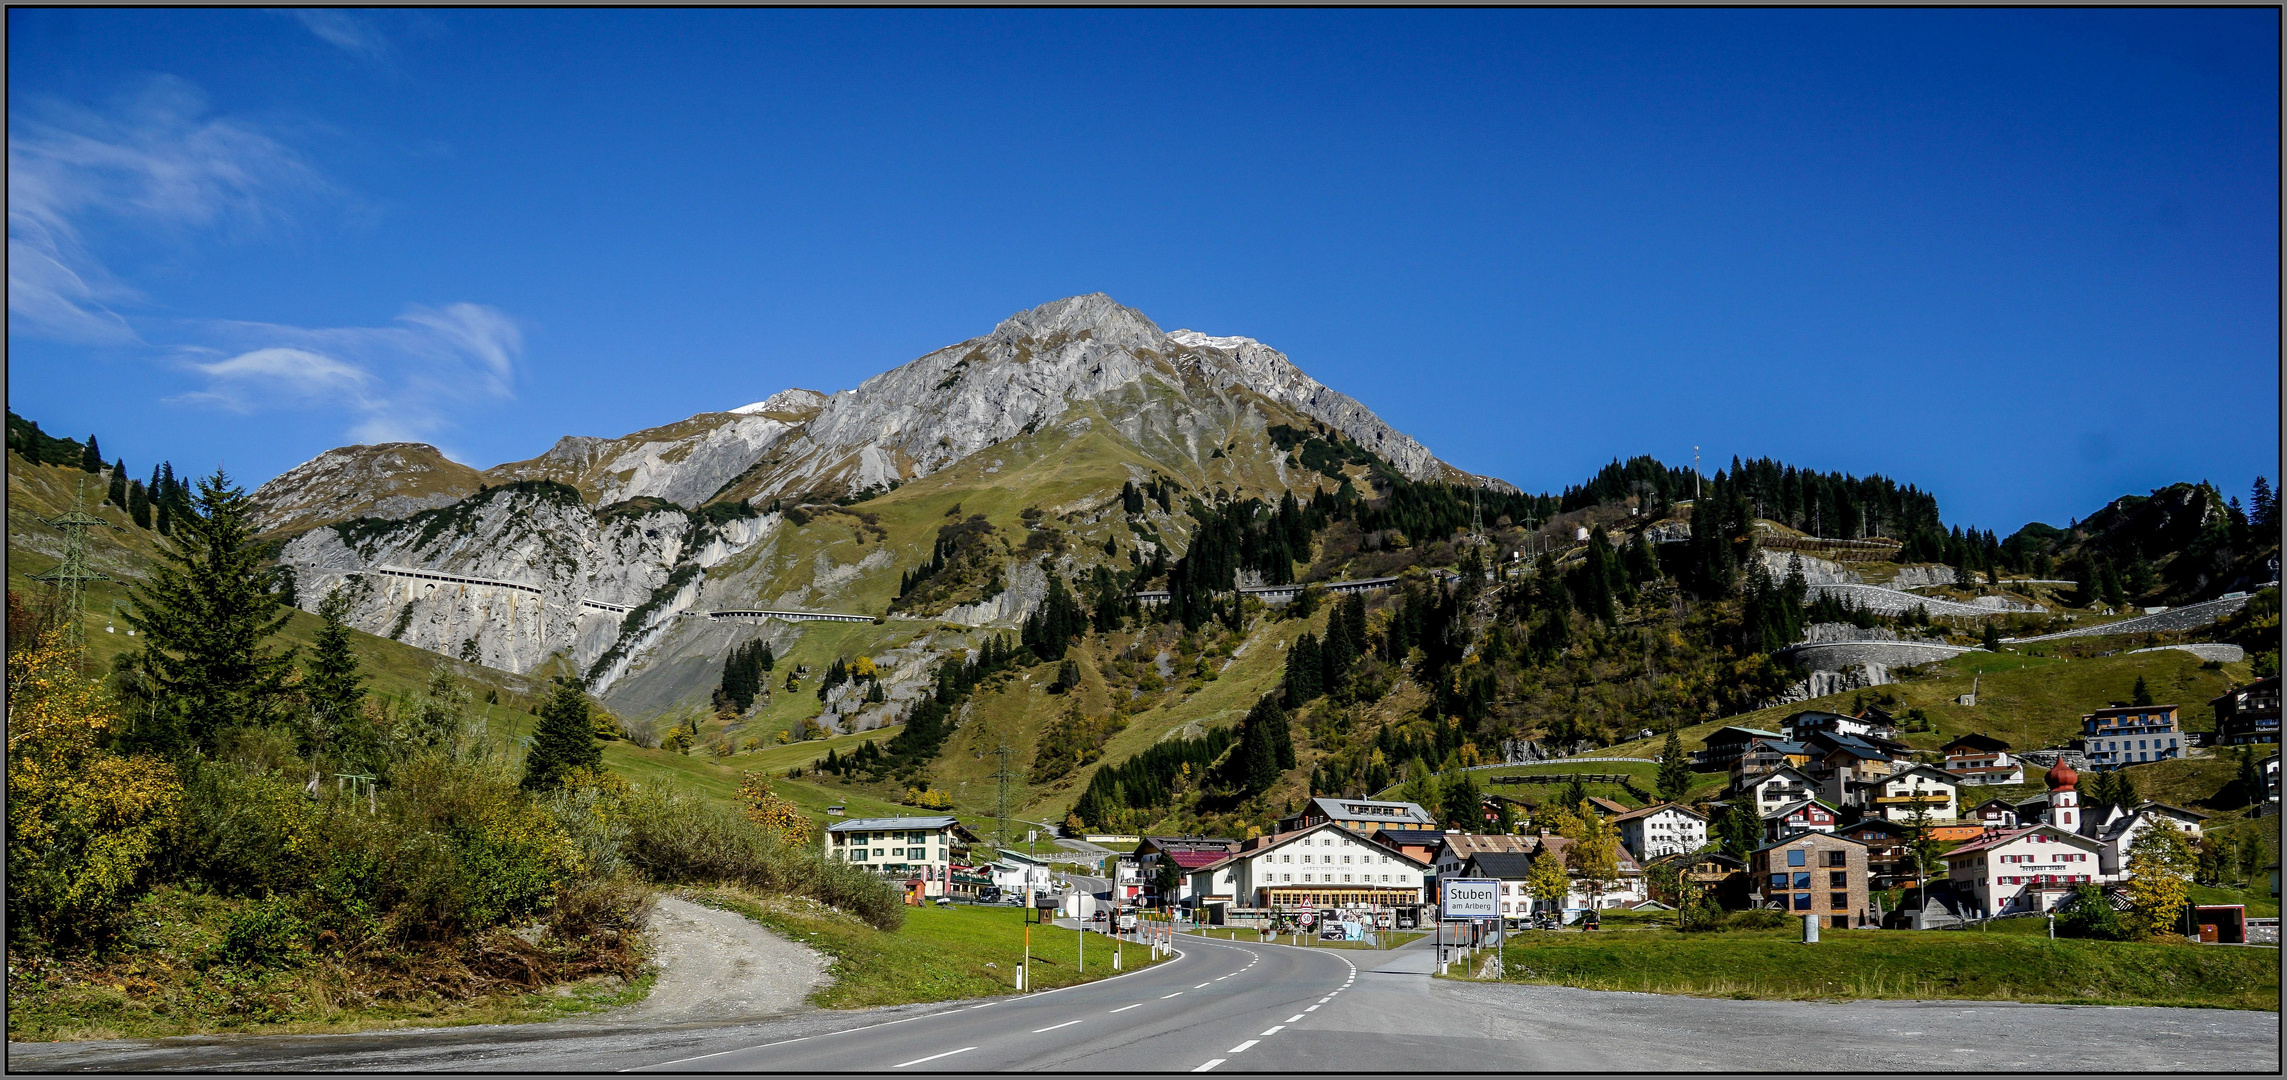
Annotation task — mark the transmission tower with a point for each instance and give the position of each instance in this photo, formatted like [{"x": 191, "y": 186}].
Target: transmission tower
[
  {"x": 70, "y": 577},
  {"x": 1003, "y": 776}
]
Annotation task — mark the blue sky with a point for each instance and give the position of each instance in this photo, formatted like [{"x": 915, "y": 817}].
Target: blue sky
[{"x": 2027, "y": 260}]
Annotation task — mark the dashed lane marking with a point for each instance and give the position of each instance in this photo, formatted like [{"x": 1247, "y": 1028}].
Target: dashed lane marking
[
  {"x": 1178, "y": 993},
  {"x": 1275, "y": 1029},
  {"x": 1052, "y": 1027},
  {"x": 1209, "y": 1065},
  {"x": 1125, "y": 1008},
  {"x": 1314, "y": 1008},
  {"x": 1295, "y": 1017},
  {"x": 1242, "y": 1047},
  {"x": 1202, "y": 985},
  {"x": 933, "y": 1057}
]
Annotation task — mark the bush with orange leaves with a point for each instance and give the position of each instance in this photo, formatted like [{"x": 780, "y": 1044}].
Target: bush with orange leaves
[
  {"x": 776, "y": 814},
  {"x": 83, "y": 823}
]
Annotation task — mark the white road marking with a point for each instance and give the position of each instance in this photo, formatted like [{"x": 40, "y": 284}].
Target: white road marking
[
  {"x": 1314, "y": 1008},
  {"x": 933, "y": 1057},
  {"x": 986, "y": 1005},
  {"x": 1125, "y": 1008},
  {"x": 1178, "y": 993},
  {"x": 1201, "y": 985},
  {"x": 1275, "y": 1029},
  {"x": 1209, "y": 1065},
  {"x": 1295, "y": 1017},
  {"x": 1242, "y": 1047},
  {"x": 1052, "y": 1027},
  {"x": 1326, "y": 999}
]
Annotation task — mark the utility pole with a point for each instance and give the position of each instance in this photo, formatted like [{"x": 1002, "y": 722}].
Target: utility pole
[
  {"x": 1695, "y": 474},
  {"x": 70, "y": 576}
]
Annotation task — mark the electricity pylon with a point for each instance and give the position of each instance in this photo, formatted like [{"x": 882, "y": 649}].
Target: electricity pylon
[
  {"x": 70, "y": 577},
  {"x": 1003, "y": 776}
]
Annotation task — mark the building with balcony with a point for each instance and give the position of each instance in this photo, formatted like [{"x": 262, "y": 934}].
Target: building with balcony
[
  {"x": 1897, "y": 796},
  {"x": 2249, "y": 715},
  {"x": 1982, "y": 759},
  {"x": 2130, "y": 735},
  {"x": 920, "y": 851}
]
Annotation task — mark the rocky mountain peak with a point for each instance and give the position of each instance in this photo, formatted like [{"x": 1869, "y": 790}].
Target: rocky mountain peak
[{"x": 1094, "y": 316}]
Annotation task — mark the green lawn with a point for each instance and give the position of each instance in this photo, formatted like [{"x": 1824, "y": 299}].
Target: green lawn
[
  {"x": 940, "y": 954},
  {"x": 2006, "y": 963}
]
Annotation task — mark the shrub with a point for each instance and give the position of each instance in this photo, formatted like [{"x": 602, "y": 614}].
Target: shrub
[
  {"x": 2088, "y": 915},
  {"x": 264, "y": 934},
  {"x": 84, "y": 825},
  {"x": 675, "y": 838},
  {"x": 1756, "y": 919},
  {"x": 243, "y": 832}
]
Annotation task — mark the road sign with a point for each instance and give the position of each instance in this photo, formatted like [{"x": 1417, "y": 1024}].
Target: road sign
[{"x": 1469, "y": 898}]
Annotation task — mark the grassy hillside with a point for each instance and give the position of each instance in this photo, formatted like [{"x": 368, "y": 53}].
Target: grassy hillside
[{"x": 2028, "y": 701}]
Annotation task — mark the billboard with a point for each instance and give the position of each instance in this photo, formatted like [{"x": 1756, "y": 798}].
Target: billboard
[{"x": 1469, "y": 898}]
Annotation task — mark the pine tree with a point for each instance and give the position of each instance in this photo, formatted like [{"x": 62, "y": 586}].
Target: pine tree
[
  {"x": 335, "y": 688},
  {"x": 204, "y": 612},
  {"x": 2263, "y": 509},
  {"x": 92, "y": 459},
  {"x": 565, "y": 739},
  {"x": 117, "y": 493},
  {"x": 139, "y": 504},
  {"x": 162, "y": 499},
  {"x": 2142, "y": 694},
  {"x": 1675, "y": 768},
  {"x": 1303, "y": 670}
]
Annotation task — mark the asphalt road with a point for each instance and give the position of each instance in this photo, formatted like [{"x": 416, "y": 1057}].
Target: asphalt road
[{"x": 1240, "y": 1006}]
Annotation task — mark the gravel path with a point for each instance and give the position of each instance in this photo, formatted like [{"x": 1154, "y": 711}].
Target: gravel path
[{"x": 717, "y": 966}]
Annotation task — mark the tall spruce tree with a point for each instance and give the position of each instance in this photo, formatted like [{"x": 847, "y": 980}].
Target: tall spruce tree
[
  {"x": 116, "y": 494},
  {"x": 204, "y": 612},
  {"x": 139, "y": 504},
  {"x": 1675, "y": 768},
  {"x": 565, "y": 739},
  {"x": 91, "y": 459},
  {"x": 335, "y": 688}
]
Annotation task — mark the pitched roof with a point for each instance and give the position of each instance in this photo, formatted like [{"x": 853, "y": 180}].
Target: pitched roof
[
  {"x": 1506, "y": 865},
  {"x": 1993, "y": 840},
  {"x": 1193, "y": 860},
  {"x": 1798, "y": 804},
  {"x": 891, "y": 824},
  {"x": 1975, "y": 741},
  {"x": 1370, "y": 810},
  {"x": 1783, "y": 771},
  {"x": 1412, "y": 837},
  {"x": 1607, "y": 805},
  {"x": 1875, "y": 824},
  {"x": 1849, "y": 744},
  {"x": 1655, "y": 808},
  {"x": 1467, "y": 844}
]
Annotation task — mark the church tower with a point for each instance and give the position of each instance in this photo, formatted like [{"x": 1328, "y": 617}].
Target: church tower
[{"x": 2064, "y": 802}]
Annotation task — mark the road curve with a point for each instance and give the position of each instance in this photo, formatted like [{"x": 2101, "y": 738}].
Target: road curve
[{"x": 1214, "y": 1003}]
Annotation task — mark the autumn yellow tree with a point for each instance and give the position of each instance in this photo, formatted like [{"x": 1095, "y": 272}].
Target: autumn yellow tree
[
  {"x": 2159, "y": 864},
  {"x": 1594, "y": 854},
  {"x": 776, "y": 814},
  {"x": 83, "y": 823}
]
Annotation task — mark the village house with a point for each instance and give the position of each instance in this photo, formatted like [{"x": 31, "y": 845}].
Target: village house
[
  {"x": 2026, "y": 869},
  {"x": 1361, "y": 816},
  {"x": 1719, "y": 875},
  {"x": 1510, "y": 868},
  {"x": 1455, "y": 849},
  {"x": 1873, "y": 724},
  {"x": 1777, "y": 788},
  {"x": 1661, "y": 829},
  {"x": 1994, "y": 813},
  {"x": 1763, "y": 755},
  {"x": 1188, "y": 853},
  {"x": 1888, "y": 862},
  {"x": 2249, "y": 715},
  {"x": 1802, "y": 815},
  {"x": 1318, "y": 867},
  {"x": 1606, "y": 808},
  {"x": 1726, "y": 744},
  {"x": 2121, "y": 827},
  {"x": 1982, "y": 759},
  {"x": 2131, "y": 734},
  {"x": 919, "y": 850},
  {"x": 1848, "y": 767},
  {"x": 1899, "y": 794},
  {"x": 1813, "y": 873}
]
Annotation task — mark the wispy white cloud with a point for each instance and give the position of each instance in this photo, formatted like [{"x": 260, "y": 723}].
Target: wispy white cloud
[
  {"x": 159, "y": 162},
  {"x": 393, "y": 383},
  {"x": 346, "y": 30}
]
